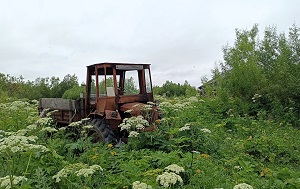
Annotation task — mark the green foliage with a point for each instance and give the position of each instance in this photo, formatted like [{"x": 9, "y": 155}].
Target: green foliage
[
  {"x": 129, "y": 86},
  {"x": 242, "y": 74},
  {"x": 170, "y": 89},
  {"x": 109, "y": 83},
  {"x": 267, "y": 68},
  {"x": 74, "y": 92},
  {"x": 16, "y": 87}
]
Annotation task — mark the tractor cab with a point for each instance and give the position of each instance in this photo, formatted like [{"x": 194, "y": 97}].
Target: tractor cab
[{"x": 113, "y": 88}]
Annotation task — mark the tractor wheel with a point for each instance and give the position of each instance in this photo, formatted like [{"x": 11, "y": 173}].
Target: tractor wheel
[{"x": 102, "y": 131}]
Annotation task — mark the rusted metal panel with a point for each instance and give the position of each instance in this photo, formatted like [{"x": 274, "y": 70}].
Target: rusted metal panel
[
  {"x": 110, "y": 103},
  {"x": 113, "y": 118},
  {"x": 62, "y": 116},
  {"x": 110, "y": 114},
  {"x": 101, "y": 104},
  {"x": 133, "y": 98},
  {"x": 106, "y": 103}
]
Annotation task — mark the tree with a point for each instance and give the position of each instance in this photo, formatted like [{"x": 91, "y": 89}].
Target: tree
[
  {"x": 67, "y": 83},
  {"x": 74, "y": 92},
  {"x": 129, "y": 86},
  {"x": 240, "y": 69},
  {"x": 109, "y": 83}
]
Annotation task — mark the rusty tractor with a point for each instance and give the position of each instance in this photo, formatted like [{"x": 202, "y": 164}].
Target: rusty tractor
[{"x": 112, "y": 91}]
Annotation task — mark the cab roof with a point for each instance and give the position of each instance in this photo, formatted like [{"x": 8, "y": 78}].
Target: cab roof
[{"x": 112, "y": 64}]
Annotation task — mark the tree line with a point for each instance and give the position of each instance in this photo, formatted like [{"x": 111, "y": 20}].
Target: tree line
[
  {"x": 170, "y": 89},
  {"x": 18, "y": 88},
  {"x": 68, "y": 87}
]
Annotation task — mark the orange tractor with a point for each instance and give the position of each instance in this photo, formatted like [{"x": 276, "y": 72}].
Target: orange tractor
[{"x": 112, "y": 91}]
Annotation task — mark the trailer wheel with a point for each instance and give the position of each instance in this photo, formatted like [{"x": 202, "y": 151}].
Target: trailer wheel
[{"x": 102, "y": 132}]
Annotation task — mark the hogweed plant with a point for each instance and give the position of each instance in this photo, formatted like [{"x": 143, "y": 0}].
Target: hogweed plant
[
  {"x": 81, "y": 127},
  {"x": 243, "y": 186},
  {"x": 145, "y": 110},
  {"x": 140, "y": 185},
  {"x": 15, "y": 144},
  {"x": 170, "y": 177},
  {"x": 10, "y": 181},
  {"x": 176, "y": 106},
  {"x": 80, "y": 171},
  {"x": 174, "y": 168},
  {"x": 186, "y": 127},
  {"x": 44, "y": 122},
  {"x": 16, "y": 114},
  {"x": 136, "y": 124}
]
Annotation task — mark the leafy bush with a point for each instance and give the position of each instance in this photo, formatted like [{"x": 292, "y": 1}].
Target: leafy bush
[
  {"x": 74, "y": 92},
  {"x": 268, "y": 68},
  {"x": 170, "y": 89}
]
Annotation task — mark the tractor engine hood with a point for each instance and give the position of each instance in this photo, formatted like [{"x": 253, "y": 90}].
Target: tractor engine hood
[{"x": 149, "y": 112}]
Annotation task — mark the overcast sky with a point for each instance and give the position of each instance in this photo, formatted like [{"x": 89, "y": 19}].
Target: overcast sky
[{"x": 182, "y": 39}]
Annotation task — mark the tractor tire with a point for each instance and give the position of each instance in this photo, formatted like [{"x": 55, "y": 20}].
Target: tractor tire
[{"x": 102, "y": 131}]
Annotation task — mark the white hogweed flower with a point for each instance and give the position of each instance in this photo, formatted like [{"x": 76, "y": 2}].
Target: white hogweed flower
[
  {"x": 18, "y": 105},
  {"x": 243, "y": 186},
  {"x": 85, "y": 172},
  {"x": 49, "y": 114},
  {"x": 35, "y": 102},
  {"x": 147, "y": 107},
  {"x": 5, "y": 181},
  {"x": 75, "y": 124},
  {"x": 21, "y": 132},
  {"x": 175, "y": 168},
  {"x": 140, "y": 185},
  {"x": 85, "y": 119},
  {"x": 128, "y": 111},
  {"x": 136, "y": 105},
  {"x": 88, "y": 171},
  {"x": 205, "y": 130},
  {"x": 32, "y": 127},
  {"x": 168, "y": 179},
  {"x": 48, "y": 129},
  {"x": 134, "y": 123},
  {"x": 133, "y": 134},
  {"x": 44, "y": 121},
  {"x": 140, "y": 127},
  {"x": 78, "y": 169},
  {"x": 184, "y": 128},
  {"x": 62, "y": 129},
  {"x": 125, "y": 126},
  {"x": 88, "y": 127},
  {"x": 16, "y": 143}
]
